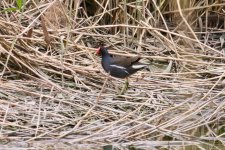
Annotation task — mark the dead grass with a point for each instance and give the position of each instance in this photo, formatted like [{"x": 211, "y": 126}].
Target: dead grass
[{"x": 53, "y": 89}]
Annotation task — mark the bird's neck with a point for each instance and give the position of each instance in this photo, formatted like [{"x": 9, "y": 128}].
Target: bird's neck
[
  {"x": 105, "y": 53},
  {"x": 106, "y": 58}
]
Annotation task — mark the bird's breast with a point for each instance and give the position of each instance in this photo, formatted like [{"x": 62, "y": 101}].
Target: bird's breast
[{"x": 106, "y": 66}]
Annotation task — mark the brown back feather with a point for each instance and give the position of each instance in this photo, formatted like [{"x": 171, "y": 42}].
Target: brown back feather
[{"x": 125, "y": 61}]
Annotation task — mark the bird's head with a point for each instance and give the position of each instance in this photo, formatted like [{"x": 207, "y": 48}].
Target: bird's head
[{"x": 102, "y": 51}]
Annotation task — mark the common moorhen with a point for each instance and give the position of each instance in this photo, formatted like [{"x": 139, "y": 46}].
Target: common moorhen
[{"x": 119, "y": 66}]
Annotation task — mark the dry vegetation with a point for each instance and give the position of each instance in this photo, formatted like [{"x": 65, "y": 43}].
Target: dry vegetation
[{"x": 54, "y": 93}]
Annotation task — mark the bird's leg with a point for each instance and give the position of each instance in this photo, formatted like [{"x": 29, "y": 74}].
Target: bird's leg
[{"x": 125, "y": 87}]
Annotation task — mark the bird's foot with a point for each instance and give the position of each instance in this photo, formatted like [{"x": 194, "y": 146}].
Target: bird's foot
[{"x": 125, "y": 87}]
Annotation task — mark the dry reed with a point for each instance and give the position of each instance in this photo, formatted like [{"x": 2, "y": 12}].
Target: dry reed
[{"x": 54, "y": 91}]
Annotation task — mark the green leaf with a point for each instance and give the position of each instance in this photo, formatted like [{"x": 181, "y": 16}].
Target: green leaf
[
  {"x": 107, "y": 147},
  {"x": 9, "y": 9},
  {"x": 19, "y": 4}
]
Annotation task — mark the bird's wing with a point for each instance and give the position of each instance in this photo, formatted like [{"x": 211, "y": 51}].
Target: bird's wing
[{"x": 125, "y": 61}]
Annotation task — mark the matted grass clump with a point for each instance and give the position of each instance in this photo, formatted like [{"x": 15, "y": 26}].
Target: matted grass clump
[{"x": 54, "y": 92}]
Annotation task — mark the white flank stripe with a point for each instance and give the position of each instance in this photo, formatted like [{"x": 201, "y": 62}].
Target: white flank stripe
[
  {"x": 138, "y": 66},
  {"x": 118, "y": 67},
  {"x": 126, "y": 71}
]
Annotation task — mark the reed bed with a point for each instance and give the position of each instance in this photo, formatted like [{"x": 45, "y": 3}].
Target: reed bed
[{"x": 54, "y": 92}]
